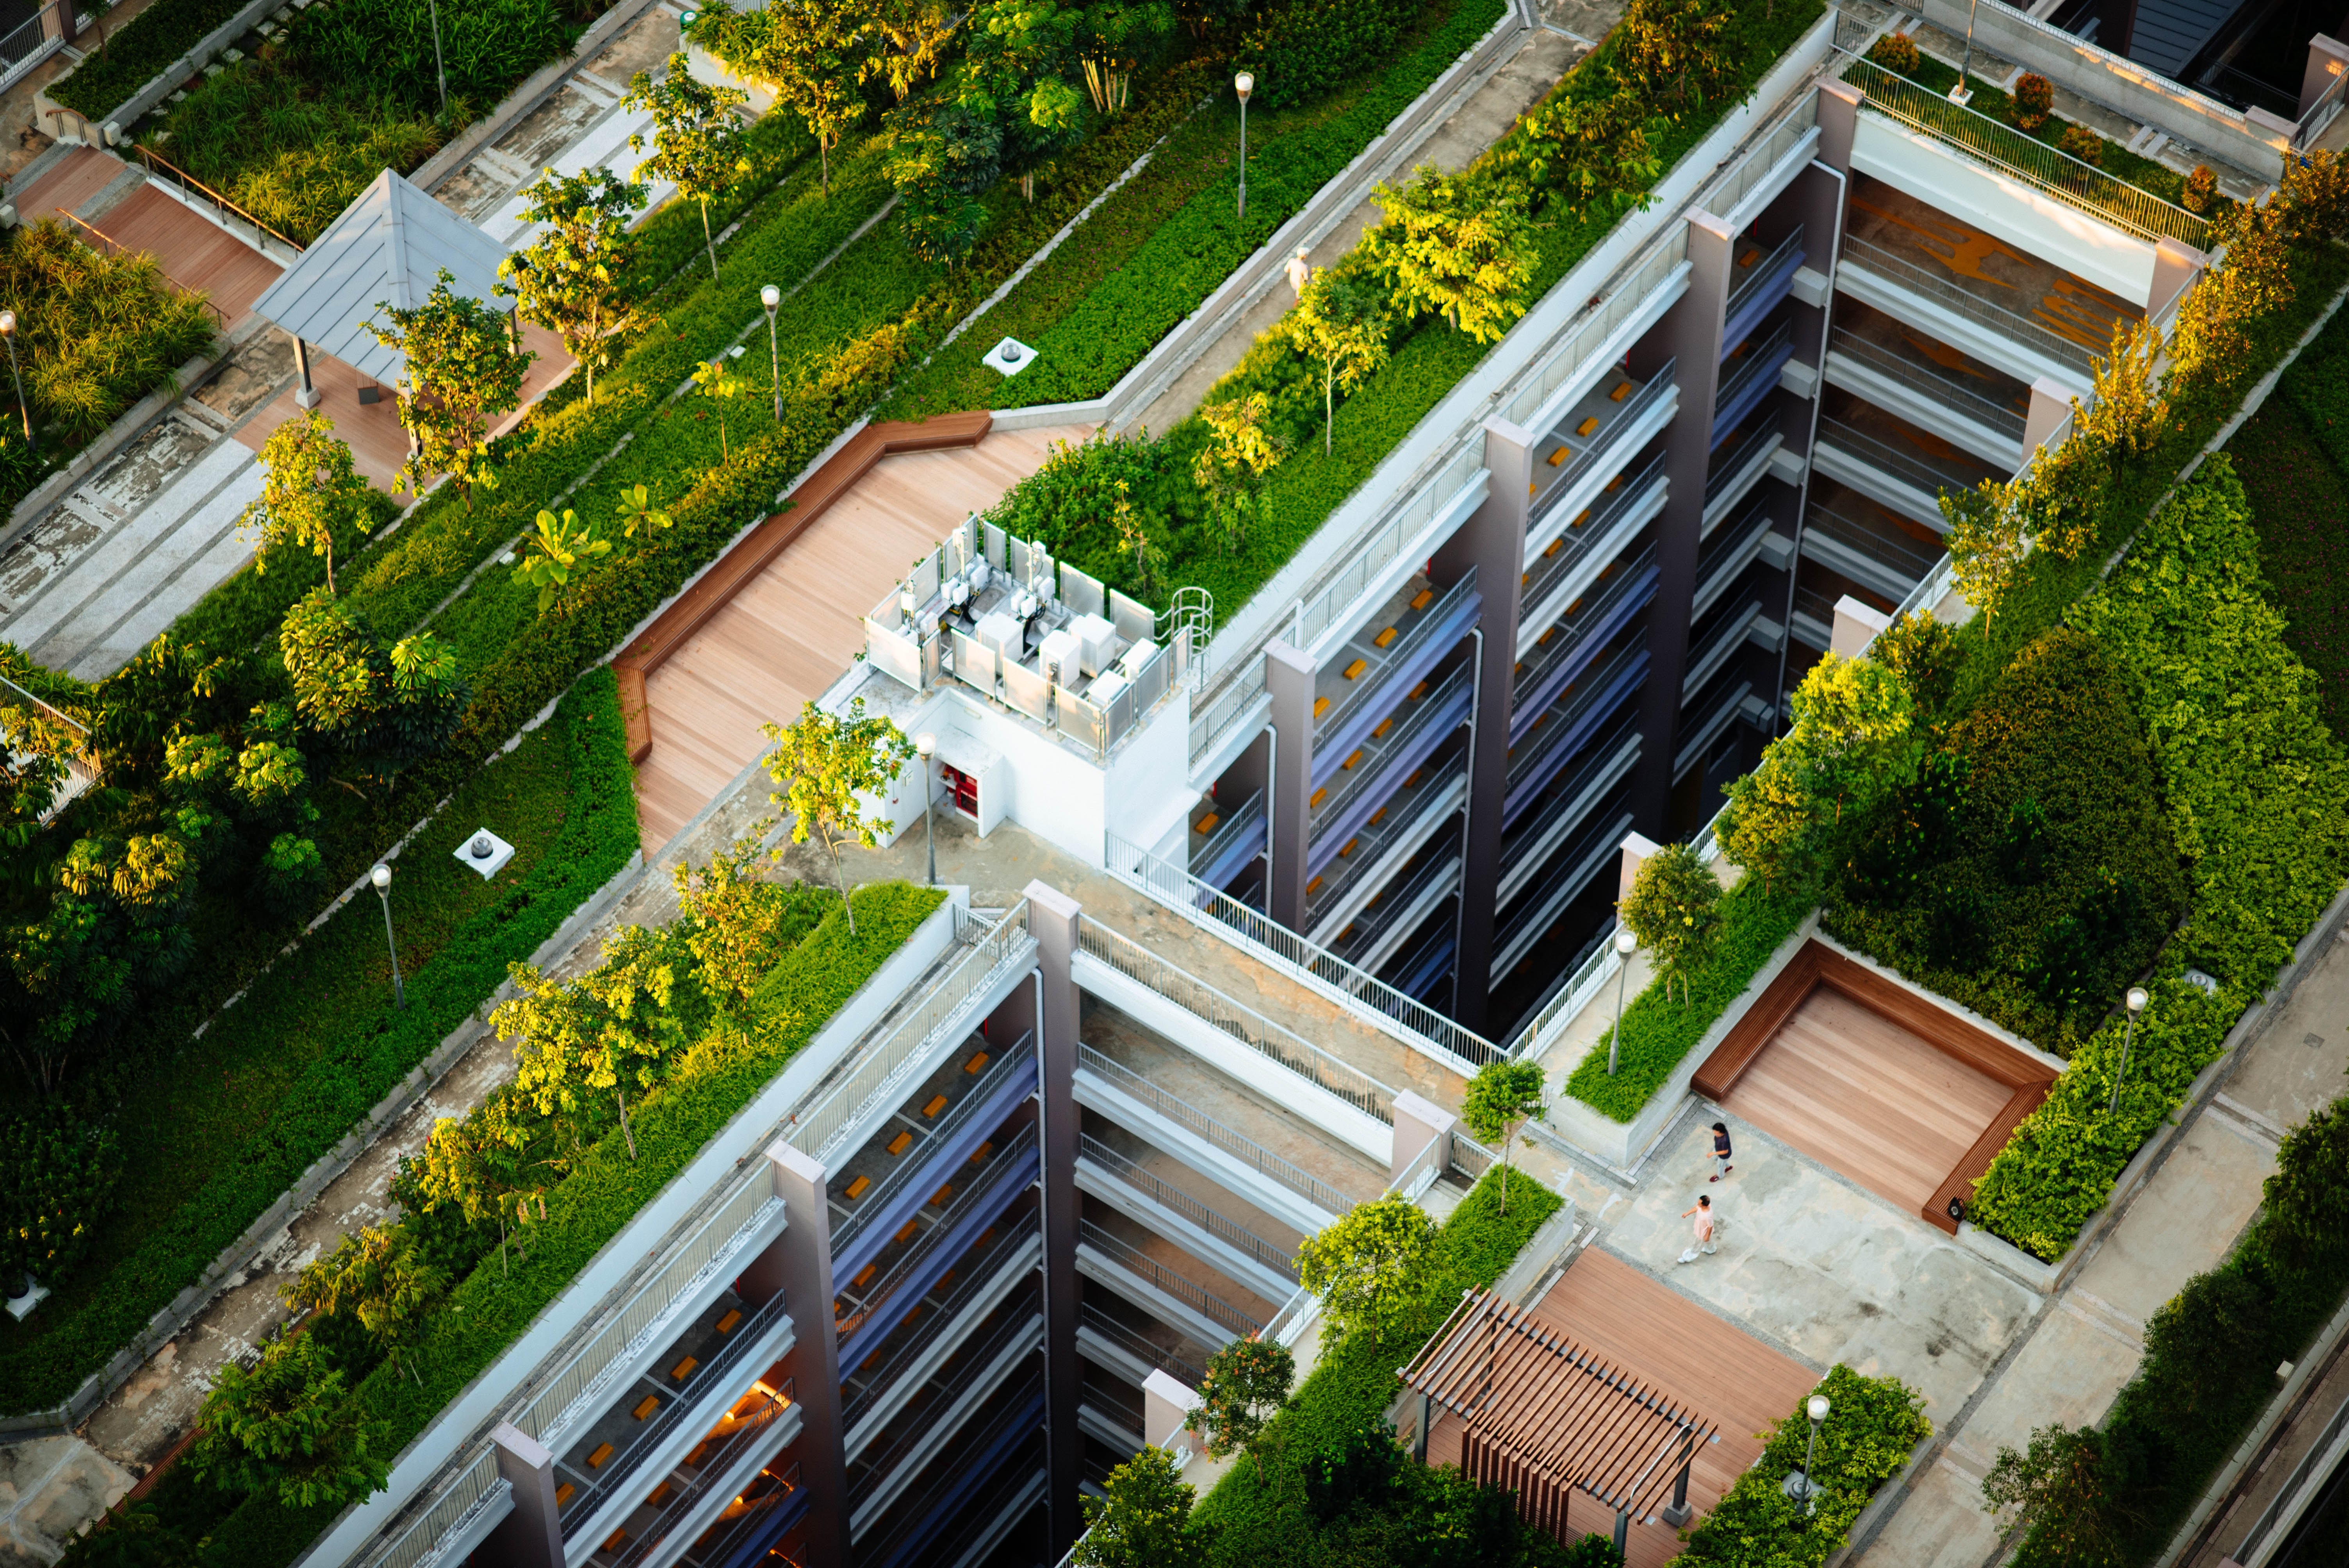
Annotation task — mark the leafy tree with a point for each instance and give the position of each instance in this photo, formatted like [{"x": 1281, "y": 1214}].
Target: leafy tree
[
  {"x": 463, "y": 370},
  {"x": 1924, "y": 651},
  {"x": 716, "y": 380},
  {"x": 133, "y": 1535},
  {"x": 1133, "y": 528},
  {"x": 1144, "y": 1519},
  {"x": 481, "y": 1165},
  {"x": 57, "y": 1173},
  {"x": 1599, "y": 152},
  {"x": 1986, "y": 544},
  {"x": 308, "y": 494},
  {"x": 386, "y": 708},
  {"x": 1357, "y": 1473},
  {"x": 1676, "y": 44},
  {"x": 1243, "y": 1388},
  {"x": 1238, "y": 452},
  {"x": 827, "y": 765},
  {"x": 1502, "y": 1097},
  {"x": 1367, "y": 1264},
  {"x": 1766, "y": 825},
  {"x": 2062, "y": 1489},
  {"x": 560, "y": 547},
  {"x": 287, "y": 1428},
  {"x": 2305, "y": 1195},
  {"x": 574, "y": 278},
  {"x": 1459, "y": 244},
  {"x": 910, "y": 39},
  {"x": 1343, "y": 320},
  {"x": 1852, "y": 728},
  {"x": 597, "y": 1033},
  {"x": 1674, "y": 909},
  {"x": 697, "y": 138},
  {"x": 376, "y": 1276},
  {"x": 292, "y": 874},
  {"x": 812, "y": 55},
  {"x": 1113, "y": 36},
  {"x": 734, "y": 919},
  {"x": 941, "y": 156}
]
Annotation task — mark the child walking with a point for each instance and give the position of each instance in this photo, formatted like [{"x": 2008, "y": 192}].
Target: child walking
[{"x": 1704, "y": 1227}]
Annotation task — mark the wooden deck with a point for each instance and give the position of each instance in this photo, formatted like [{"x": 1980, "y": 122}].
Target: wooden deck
[
  {"x": 789, "y": 634},
  {"x": 1658, "y": 1334},
  {"x": 193, "y": 252},
  {"x": 1862, "y": 1095}
]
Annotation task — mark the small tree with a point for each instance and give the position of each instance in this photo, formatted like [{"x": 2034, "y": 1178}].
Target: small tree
[
  {"x": 575, "y": 279},
  {"x": 1986, "y": 544},
  {"x": 1766, "y": 827},
  {"x": 1342, "y": 320},
  {"x": 1502, "y": 1097},
  {"x": 387, "y": 707},
  {"x": 698, "y": 139},
  {"x": 480, "y": 1165},
  {"x": 733, "y": 918},
  {"x": 638, "y": 510},
  {"x": 561, "y": 546},
  {"x": 1144, "y": 1519},
  {"x": 377, "y": 1278},
  {"x": 309, "y": 492},
  {"x": 1238, "y": 452},
  {"x": 1366, "y": 1265},
  {"x": 1458, "y": 244},
  {"x": 910, "y": 39},
  {"x": 716, "y": 380},
  {"x": 285, "y": 1428},
  {"x": 1853, "y": 732},
  {"x": 592, "y": 1034},
  {"x": 1243, "y": 1388},
  {"x": 2061, "y": 1490},
  {"x": 2034, "y": 99},
  {"x": 1134, "y": 533},
  {"x": 812, "y": 55},
  {"x": 463, "y": 370},
  {"x": 58, "y": 1173},
  {"x": 827, "y": 764},
  {"x": 1674, "y": 909}
]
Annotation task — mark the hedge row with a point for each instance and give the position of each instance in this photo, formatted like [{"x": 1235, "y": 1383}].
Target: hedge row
[
  {"x": 281, "y": 1078},
  {"x": 1158, "y": 247},
  {"x": 2292, "y": 456},
  {"x": 2256, "y": 790},
  {"x": 606, "y": 1188}
]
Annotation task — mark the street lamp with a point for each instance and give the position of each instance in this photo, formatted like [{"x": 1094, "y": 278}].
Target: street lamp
[
  {"x": 1958, "y": 94},
  {"x": 928, "y": 745},
  {"x": 438, "y": 64},
  {"x": 1817, "y": 1411},
  {"x": 2136, "y": 1001},
  {"x": 1625, "y": 944},
  {"x": 381, "y": 877},
  {"x": 1244, "y": 83},
  {"x": 8, "y": 331},
  {"x": 771, "y": 296}
]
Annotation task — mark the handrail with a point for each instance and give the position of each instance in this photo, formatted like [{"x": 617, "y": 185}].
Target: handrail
[
  {"x": 1867, "y": 541},
  {"x": 876, "y": 1460},
  {"x": 1760, "y": 272},
  {"x": 1312, "y": 616},
  {"x": 471, "y": 1489},
  {"x": 1200, "y": 1125},
  {"x": 1885, "y": 455},
  {"x": 1373, "y": 682},
  {"x": 1542, "y": 569},
  {"x": 888, "y": 1284},
  {"x": 714, "y": 1466},
  {"x": 1970, "y": 403},
  {"x": 189, "y": 182},
  {"x": 1717, "y": 482},
  {"x": 1593, "y": 610},
  {"x": 1337, "y": 880},
  {"x": 2082, "y": 186},
  {"x": 183, "y": 290},
  {"x": 1757, "y": 365},
  {"x": 1019, "y": 1057},
  {"x": 1230, "y": 1232},
  {"x": 1141, "y": 1349},
  {"x": 1869, "y": 256},
  {"x": 978, "y": 1274},
  {"x": 1422, "y": 714},
  {"x": 1660, "y": 386},
  {"x": 1437, "y": 862},
  {"x": 1188, "y": 1293},
  {"x": 1529, "y": 758},
  {"x": 1248, "y": 818},
  {"x": 1316, "y": 967}
]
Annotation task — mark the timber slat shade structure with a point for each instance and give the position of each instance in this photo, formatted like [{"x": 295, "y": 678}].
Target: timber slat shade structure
[{"x": 1547, "y": 1416}]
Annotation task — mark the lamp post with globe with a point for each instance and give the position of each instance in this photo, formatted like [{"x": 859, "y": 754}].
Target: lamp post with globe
[
  {"x": 8, "y": 331},
  {"x": 771, "y": 296},
  {"x": 1244, "y": 83},
  {"x": 381, "y": 877},
  {"x": 1625, "y": 944}
]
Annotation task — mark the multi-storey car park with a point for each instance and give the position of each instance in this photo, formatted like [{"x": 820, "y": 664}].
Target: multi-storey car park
[{"x": 972, "y": 1246}]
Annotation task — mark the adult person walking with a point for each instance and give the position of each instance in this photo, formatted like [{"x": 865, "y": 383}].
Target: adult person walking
[
  {"x": 1705, "y": 1226},
  {"x": 1722, "y": 1166}
]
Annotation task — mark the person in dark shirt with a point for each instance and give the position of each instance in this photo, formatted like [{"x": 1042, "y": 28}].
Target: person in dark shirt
[{"x": 1721, "y": 1150}]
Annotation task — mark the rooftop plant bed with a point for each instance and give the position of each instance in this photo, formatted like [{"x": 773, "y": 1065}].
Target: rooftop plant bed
[
  {"x": 228, "y": 1121},
  {"x": 121, "y": 60}
]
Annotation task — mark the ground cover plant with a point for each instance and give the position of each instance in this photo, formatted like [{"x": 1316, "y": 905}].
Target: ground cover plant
[
  {"x": 279, "y": 1078},
  {"x": 136, "y": 53}
]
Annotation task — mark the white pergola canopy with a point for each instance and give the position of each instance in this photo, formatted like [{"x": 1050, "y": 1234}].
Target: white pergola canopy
[{"x": 388, "y": 246}]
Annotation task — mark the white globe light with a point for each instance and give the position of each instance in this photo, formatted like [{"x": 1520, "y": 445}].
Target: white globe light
[
  {"x": 1625, "y": 942},
  {"x": 1818, "y": 1407},
  {"x": 1246, "y": 83},
  {"x": 2138, "y": 998},
  {"x": 380, "y": 876},
  {"x": 771, "y": 296}
]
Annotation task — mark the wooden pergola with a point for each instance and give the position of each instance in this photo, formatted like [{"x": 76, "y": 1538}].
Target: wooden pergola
[{"x": 1549, "y": 1417}]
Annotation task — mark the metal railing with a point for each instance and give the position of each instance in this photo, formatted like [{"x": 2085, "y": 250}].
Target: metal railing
[
  {"x": 1229, "y": 1231},
  {"x": 2320, "y": 114},
  {"x": 617, "y": 1470},
  {"x": 1208, "y": 1129},
  {"x": 1660, "y": 386},
  {"x": 1337, "y": 879},
  {"x": 1190, "y": 1294},
  {"x": 477, "y": 1487},
  {"x": 1572, "y": 358},
  {"x": 1724, "y": 471},
  {"x": 1529, "y": 753},
  {"x": 1759, "y": 273},
  {"x": 1228, "y": 707},
  {"x": 1381, "y": 546},
  {"x": 723, "y": 1537},
  {"x": 715, "y": 1468},
  {"x": 563, "y": 1398},
  {"x": 29, "y": 43},
  {"x": 883, "y": 1068},
  {"x": 1371, "y": 771},
  {"x": 1437, "y": 862},
  {"x": 1373, "y": 682},
  {"x": 1966, "y": 402},
  {"x": 978, "y": 1275},
  {"x": 1910, "y": 562},
  {"x": 1909, "y": 466},
  {"x": 1149, "y": 1352},
  {"x": 874, "y": 1464},
  {"x": 1315, "y": 968},
  {"x": 1247, "y": 821},
  {"x": 1545, "y": 568},
  {"x": 1281, "y": 1046},
  {"x": 2081, "y": 186},
  {"x": 160, "y": 167},
  {"x": 983, "y": 1187},
  {"x": 1869, "y": 256},
  {"x": 1758, "y": 364},
  {"x": 1018, "y": 1059},
  {"x": 1596, "y": 603},
  {"x": 113, "y": 246},
  {"x": 1009, "y": 1414}
]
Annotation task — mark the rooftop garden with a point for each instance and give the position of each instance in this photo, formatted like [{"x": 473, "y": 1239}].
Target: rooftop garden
[{"x": 2118, "y": 772}]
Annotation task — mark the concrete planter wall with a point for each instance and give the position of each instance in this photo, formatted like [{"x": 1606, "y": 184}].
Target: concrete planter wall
[{"x": 67, "y": 125}]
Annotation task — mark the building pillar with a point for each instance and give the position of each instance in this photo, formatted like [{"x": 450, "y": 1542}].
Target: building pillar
[
  {"x": 2051, "y": 405},
  {"x": 1678, "y": 1512},
  {"x": 1052, "y": 918},
  {"x": 2176, "y": 265},
  {"x": 1638, "y": 850},
  {"x": 531, "y": 1536},
  {"x": 1690, "y": 336},
  {"x": 804, "y": 1251},
  {"x": 1289, "y": 677},
  {"x": 1838, "y": 124},
  {"x": 1855, "y": 626},
  {"x": 2327, "y": 57},
  {"x": 307, "y": 394},
  {"x": 1418, "y": 1124},
  {"x": 1492, "y": 543},
  {"x": 1166, "y": 1406}
]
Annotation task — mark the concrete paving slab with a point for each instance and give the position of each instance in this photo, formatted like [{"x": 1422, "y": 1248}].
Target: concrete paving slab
[
  {"x": 1940, "y": 1523},
  {"x": 158, "y": 576},
  {"x": 50, "y": 1488},
  {"x": 2299, "y": 1063},
  {"x": 2186, "y": 1219},
  {"x": 222, "y": 559}
]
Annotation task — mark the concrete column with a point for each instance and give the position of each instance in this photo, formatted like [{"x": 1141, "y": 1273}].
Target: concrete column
[
  {"x": 1839, "y": 122},
  {"x": 1417, "y": 1124},
  {"x": 805, "y": 1248},
  {"x": 1492, "y": 543},
  {"x": 2051, "y": 405},
  {"x": 1689, "y": 336},
  {"x": 531, "y": 1536},
  {"x": 1638, "y": 850},
  {"x": 1166, "y": 1406},
  {"x": 1288, "y": 676},
  {"x": 2327, "y": 58},
  {"x": 1052, "y": 919},
  {"x": 307, "y": 394},
  {"x": 2176, "y": 265},
  {"x": 1855, "y": 626}
]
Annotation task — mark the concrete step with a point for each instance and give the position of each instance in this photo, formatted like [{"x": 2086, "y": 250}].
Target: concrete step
[{"x": 203, "y": 569}]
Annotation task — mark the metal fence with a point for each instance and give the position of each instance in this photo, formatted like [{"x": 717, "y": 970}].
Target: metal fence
[
  {"x": 714, "y": 1472},
  {"x": 1763, "y": 157},
  {"x": 883, "y": 1068},
  {"x": 477, "y": 1487},
  {"x": 1020, "y": 1058},
  {"x": 2082, "y": 186},
  {"x": 1208, "y": 1129},
  {"x": 1281, "y": 1046},
  {"x": 1447, "y": 701},
  {"x": 1967, "y": 403},
  {"x": 1663, "y": 384},
  {"x": 1215, "y": 1308},
  {"x": 1868, "y": 256},
  {"x": 1149, "y": 1352},
  {"x": 1229, "y": 1231},
  {"x": 199, "y": 194},
  {"x": 1386, "y": 540},
  {"x": 1528, "y": 404},
  {"x": 30, "y": 42},
  {"x": 1912, "y": 467}
]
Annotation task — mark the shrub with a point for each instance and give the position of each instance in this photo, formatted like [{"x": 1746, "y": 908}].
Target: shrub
[
  {"x": 136, "y": 53},
  {"x": 94, "y": 334},
  {"x": 2034, "y": 100},
  {"x": 1298, "y": 49},
  {"x": 1143, "y": 1517},
  {"x": 58, "y": 1173},
  {"x": 2083, "y": 144},
  {"x": 2201, "y": 189},
  {"x": 1896, "y": 52},
  {"x": 1368, "y": 1264}
]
